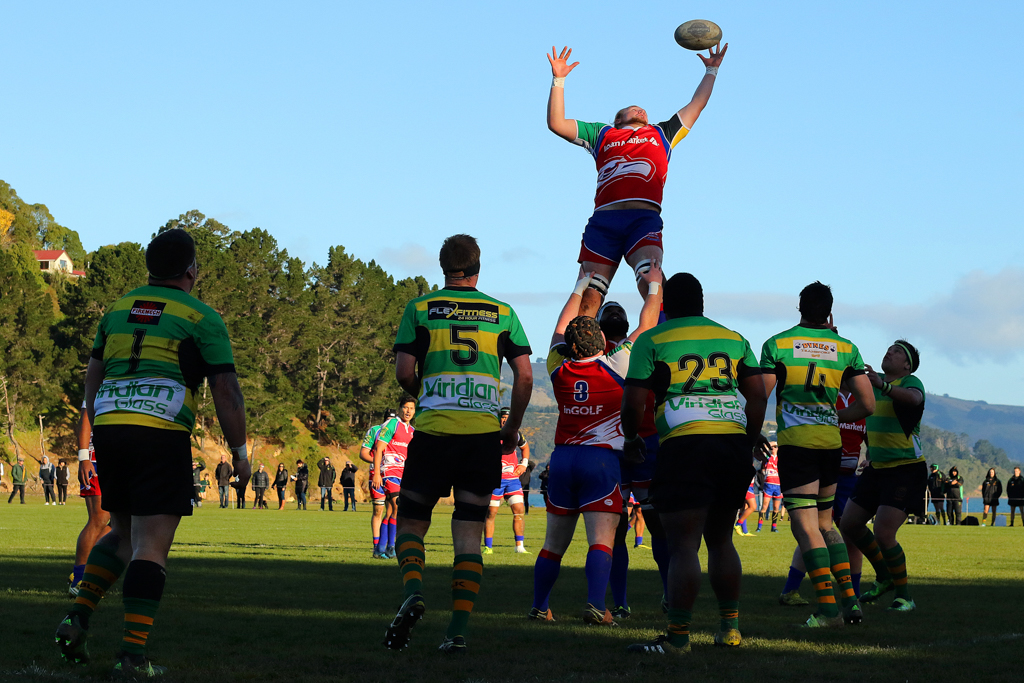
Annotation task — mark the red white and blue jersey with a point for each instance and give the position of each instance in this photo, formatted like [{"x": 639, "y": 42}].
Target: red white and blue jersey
[
  {"x": 647, "y": 424},
  {"x": 771, "y": 470},
  {"x": 589, "y": 395},
  {"x": 852, "y": 434},
  {"x": 510, "y": 461},
  {"x": 632, "y": 164},
  {"x": 396, "y": 436}
]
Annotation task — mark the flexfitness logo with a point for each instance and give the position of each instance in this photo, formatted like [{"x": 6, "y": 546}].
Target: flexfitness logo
[{"x": 463, "y": 311}]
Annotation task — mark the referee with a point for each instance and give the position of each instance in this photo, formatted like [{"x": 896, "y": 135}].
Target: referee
[{"x": 153, "y": 348}]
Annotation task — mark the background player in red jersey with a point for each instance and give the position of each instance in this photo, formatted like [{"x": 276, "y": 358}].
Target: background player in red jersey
[
  {"x": 97, "y": 525},
  {"x": 772, "y": 493},
  {"x": 511, "y": 489},
  {"x": 377, "y": 496},
  {"x": 632, "y": 162},
  {"x": 585, "y": 465},
  {"x": 389, "y": 455}
]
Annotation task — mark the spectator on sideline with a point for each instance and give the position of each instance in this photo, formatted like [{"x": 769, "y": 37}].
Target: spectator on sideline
[
  {"x": 281, "y": 484},
  {"x": 326, "y": 483},
  {"x": 543, "y": 479},
  {"x": 524, "y": 481},
  {"x": 197, "y": 484},
  {"x": 937, "y": 490},
  {"x": 62, "y": 482},
  {"x": 301, "y": 479},
  {"x": 954, "y": 495},
  {"x": 991, "y": 489},
  {"x": 348, "y": 484},
  {"x": 223, "y": 474},
  {"x": 48, "y": 477},
  {"x": 260, "y": 483},
  {"x": 1015, "y": 494},
  {"x": 18, "y": 475}
]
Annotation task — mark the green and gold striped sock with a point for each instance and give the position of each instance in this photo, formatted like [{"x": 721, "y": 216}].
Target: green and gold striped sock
[
  {"x": 467, "y": 573},
  {"x": 869, "y": 547},
  {"x": 839, "y": 561},
  {"x": 896, "y": 561},
  {"x": 411, "y": 559},
  {"x": 729, "y": 614},
  {"x": 679, "y": 626},
  {"x": 143, "y": 588},
  {"x": 817, "y": 562},
  {"x": 102, "y": 569}
]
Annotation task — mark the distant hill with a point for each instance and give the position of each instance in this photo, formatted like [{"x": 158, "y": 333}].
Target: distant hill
[{"x": 1001, "y": 425}]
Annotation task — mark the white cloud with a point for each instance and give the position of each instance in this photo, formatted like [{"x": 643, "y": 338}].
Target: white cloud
[{"x": 409, "y": 258}]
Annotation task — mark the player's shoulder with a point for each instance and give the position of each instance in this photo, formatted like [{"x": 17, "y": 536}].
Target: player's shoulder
[{"x": 910, "y": 382}]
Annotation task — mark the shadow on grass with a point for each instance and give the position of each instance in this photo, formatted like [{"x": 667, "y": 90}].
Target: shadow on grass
[{"x": 276, "y": 619}]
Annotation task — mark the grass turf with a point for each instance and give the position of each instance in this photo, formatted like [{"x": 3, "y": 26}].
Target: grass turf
[{"x": 285, "y": 596}]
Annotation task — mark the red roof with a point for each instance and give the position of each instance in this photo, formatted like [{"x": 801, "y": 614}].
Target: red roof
[
  {"x": 78, "y": 272},
  {"x": 48, "y": 254}
]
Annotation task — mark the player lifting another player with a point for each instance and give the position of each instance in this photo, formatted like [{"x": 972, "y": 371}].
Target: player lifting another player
[
  {"x": 632, "y": 157},
  {"x": 511, "y": 490}
]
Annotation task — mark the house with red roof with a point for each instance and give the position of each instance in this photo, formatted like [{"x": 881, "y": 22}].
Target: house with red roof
[{"x": 56, "y": 261}]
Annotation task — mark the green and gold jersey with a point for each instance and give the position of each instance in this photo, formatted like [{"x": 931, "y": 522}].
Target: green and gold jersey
[
  {"x": 809, "y": 363},
  {"x": 459, "y": 337},
  {"x": 157, "y": 344},
  {"x": 693, "y": 365},
  {"x": 894, "y": 429}
]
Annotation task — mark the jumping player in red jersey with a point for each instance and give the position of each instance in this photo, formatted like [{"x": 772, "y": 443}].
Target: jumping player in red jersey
[
  {"x": 852, "y": 434},
  {"x": 632, "y": 162},
  {"x": 772, "y": 493},
  {"x": 510, "y": 490},
  {"x": 389, "y": 465},
  {"x": 377, "y": 496},
  {"x": 97, "y": 526},
  {"x": 585, "y": 466}
]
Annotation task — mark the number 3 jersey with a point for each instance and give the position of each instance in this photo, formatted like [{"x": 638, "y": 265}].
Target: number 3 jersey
[
  {"x": 589, "y": 396},
  {"x": 693, "y": 365},
  {"x": 459, "y": 337},
  {"x": 157, "y": 344},
  {"x": 809, "y": 363}
]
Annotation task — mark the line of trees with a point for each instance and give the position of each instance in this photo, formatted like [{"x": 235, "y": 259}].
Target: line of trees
[{"x": 310, "y": 343}]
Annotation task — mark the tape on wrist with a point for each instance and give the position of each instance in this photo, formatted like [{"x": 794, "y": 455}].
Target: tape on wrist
[
  {"x": 653, "y": 288},
  {"x": 524, "y": 462},
  {"x": 83, "y": 454},
  {"x": 711, "y": 71},
  {"x": 558, "y": 82},
  {"x": 581, "y": 285},
  {"x": 240, "y": 452}
]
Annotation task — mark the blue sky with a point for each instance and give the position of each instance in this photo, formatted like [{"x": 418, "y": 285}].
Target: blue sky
[{"x": 875, "y": 146}]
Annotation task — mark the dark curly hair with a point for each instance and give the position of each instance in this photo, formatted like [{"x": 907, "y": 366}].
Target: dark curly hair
[{"x": 583, "y": 336}]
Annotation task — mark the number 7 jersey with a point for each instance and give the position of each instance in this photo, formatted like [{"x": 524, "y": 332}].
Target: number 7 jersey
[
  {"x": 459, "y": 337},
  {"x": 809, "y": 363}
]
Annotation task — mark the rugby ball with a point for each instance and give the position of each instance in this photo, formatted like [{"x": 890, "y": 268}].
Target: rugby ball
[{"x": 698, "y": 34}]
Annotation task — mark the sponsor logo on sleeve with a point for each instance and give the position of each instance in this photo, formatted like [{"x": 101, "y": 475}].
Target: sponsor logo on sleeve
[
  {"x": 462, "y": 311},
  {"x": 815, "y": 350},
  {"x": 146, "y": 312}
]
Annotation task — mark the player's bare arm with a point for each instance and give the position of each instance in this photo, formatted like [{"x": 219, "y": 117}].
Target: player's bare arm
[
  {"x": 560, "y": 68},
  {"x": 689, "y": 114},
  {"x": 521, "y": 467},
  {"x": 570, "y": 310},
  {"x": 651, "y": 311},
  {"x": 752, "y": 388},
  {"x": 634, "y": 402},
  {"x": 860, "y": 387},
  {"x": 405, "y": 373},
  {"x": 378, "y": 461},
  {"x": 522, "y": 389},
  {"x": 93, "y": 380},
  {"x": 909, "y": 395},
  {"x": 86, "y": 470}
]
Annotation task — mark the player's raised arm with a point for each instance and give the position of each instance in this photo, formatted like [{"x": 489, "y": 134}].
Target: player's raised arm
[
  {"x": 688, "y": 114},
  {"x": 557, "y": 123},
  {"x": 651, "y": 310},
  {"x": 570, "y": 310}
]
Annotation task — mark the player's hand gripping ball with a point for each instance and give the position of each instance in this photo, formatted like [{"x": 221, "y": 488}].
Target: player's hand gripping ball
[{"x": 698, "y": 34}]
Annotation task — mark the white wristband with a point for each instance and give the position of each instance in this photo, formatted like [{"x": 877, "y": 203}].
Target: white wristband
[
  {"x": 581, "y": 285},
  {"x": 524, "y": 462},
  {"x": 240, "y": 452},
  {"x": 711, "y": 71},
  {"x": 558, "y": 82},
  {"x": 83, "y": 454},
  {"x": 653, "y": 288}
]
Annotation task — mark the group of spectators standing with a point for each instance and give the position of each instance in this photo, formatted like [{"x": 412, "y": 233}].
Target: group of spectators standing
[
  {"x": 947, "y": 495},
  {"x": 54, "y": 480},
  {"x": 261, "y": 481}
]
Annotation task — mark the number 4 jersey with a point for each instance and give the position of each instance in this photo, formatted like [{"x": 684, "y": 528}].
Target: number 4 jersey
[
  {"x": 459, "y": 337},
  {"x": 157, "y": 344}
]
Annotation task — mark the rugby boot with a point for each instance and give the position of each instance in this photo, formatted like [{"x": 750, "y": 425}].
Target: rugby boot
[
  {"x": 70, "y": 638},
  {"x": 792, "y": 599},
  {"x": 622, "y": 612},
  {"x": 398, "y": 633},
  {"x": 133, "y": 667},
  {"x": 658, "y": 646},
  {"x": 853, "y": 615},
  {"x": 487, "y": 551},
  {"x": 728, "y": 638},
  {"x": 540, "y": 615},
  {"x": 595, "y": 617},
  {"x": 453, "y": 646},
  {"x": 901, "y": 605},
  {"x": 819, "y": 621},
  {"x": 876, "y": 591}
]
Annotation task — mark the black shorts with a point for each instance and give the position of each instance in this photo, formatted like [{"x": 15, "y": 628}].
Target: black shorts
[
  {"x": 434, "y": 465},
  {"x": 702, "y": 470},
  {"x": 902, "y": 487},
  {"x": 145, "y": 470},
  {"x": 799, "y": 466}
]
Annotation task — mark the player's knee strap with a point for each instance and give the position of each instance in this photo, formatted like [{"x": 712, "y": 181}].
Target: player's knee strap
[
  {"x": 826, "y": 502},
  {"x": 798, "y": 502},
  {"x": 468, "y": 512},
  {"x": 641, "y": 268},
  {"x": 410, "y": 509},
  {"x": 599, "y": 283},
  {"x": 378, "y": 501}
]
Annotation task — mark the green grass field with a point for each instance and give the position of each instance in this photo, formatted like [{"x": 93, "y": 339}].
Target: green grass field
[{"x": 286, "y": 596}]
